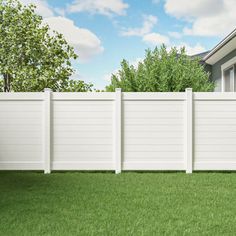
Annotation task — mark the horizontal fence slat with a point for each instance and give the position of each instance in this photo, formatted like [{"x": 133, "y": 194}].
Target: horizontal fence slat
[
  {"x": 83, "y": 96},
  {"x": 19, "y": 97},
  {"x": 142, "y": 96},
  {"x": 216, "y": 96}
]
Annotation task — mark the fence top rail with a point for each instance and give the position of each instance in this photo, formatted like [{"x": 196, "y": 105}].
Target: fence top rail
[
  {"x": 110, "y": 96},
  {"x": 175, "y": 96},
  {"x": 215, "y": 96},
  {"x": 31, "y": 96},
  {"x": 103, "y": 96}
]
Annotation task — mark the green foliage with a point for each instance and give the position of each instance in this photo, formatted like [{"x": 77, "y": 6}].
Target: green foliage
[
  {"x": 1, "y": 85},
  {"x": 78, "y": 86},
  {"x": 162, "y": 71},
  {"x": 32, "y": 58}
]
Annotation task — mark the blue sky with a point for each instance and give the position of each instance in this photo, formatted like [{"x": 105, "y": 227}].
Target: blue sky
[{"x": 104, "y": 32}]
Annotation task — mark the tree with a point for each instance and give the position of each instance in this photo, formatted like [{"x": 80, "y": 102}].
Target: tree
[
  {"x": 162, "y": 71},
  {"x": 1, "y": 85},
  {"x": 31, "y": 57},
  {"x": 78, "y": 86}
]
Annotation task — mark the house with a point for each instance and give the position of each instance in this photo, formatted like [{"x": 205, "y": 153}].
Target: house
[{"x": 221, "y": 63}]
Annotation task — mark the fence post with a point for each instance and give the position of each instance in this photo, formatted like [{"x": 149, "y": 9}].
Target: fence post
[
  {"x": 117, "y": 133},
  {"x": 47, "y": 131},
  {"x": 189, "y": 131}
]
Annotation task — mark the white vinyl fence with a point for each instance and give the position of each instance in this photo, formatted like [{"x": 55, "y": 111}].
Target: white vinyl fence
[{"x": 118, "y": 131}]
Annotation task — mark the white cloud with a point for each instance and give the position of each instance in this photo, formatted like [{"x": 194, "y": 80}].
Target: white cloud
[
  {"x": 191, "y": 50},
  {"x": 86, "y": 43},
  {"x": 218, "y": 25},
  {"x": 176, "y": 35},
  {"x": 60, "y": 11},
  {"x": 145, "y": 31},
  {"x": 149, "y": 21},
  {"x": 190, "y": 9},
  {"x": 156, "y": 39},
  {"x": 156, "y": 1},
  {"x": 103, "y": 7},
  {"x": 42, "y": 7},
  {"x": 207, "y": 17}
]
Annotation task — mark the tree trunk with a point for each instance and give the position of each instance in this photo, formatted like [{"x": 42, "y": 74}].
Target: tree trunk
[{"x": 7, "y": 82}]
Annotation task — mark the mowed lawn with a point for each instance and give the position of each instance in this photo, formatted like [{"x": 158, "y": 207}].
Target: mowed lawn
[{"x": 77, "y": 203}]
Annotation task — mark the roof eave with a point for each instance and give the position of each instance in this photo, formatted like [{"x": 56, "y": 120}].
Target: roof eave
[{"x": 221, "y": 44}]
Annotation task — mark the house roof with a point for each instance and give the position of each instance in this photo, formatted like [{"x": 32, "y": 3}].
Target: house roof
[
  {"x": 227, "y": 45},
  {"x": 200, "y": 55}
]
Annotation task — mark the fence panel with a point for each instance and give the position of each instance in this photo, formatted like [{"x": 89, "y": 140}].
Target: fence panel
[
  {"x": 21, "y": 128},
  {"x": 153, "y": 132},
  {"x": 118, "y": 131},
  {"x": 82, "y": 132},
  {"x": 215, "y": 132}
]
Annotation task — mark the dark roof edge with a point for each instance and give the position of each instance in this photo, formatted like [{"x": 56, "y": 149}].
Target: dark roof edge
[{"x": 200, "y": 55}]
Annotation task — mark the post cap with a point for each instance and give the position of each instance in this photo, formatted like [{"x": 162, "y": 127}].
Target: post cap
[
  {"x": 118, "y": 89},
  {"x": 188, "y": 89},
  {"x": 47, "y": 90}
]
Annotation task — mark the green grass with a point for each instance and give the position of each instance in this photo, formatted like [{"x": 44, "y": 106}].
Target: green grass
[{"x": 108, "y": 204}]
